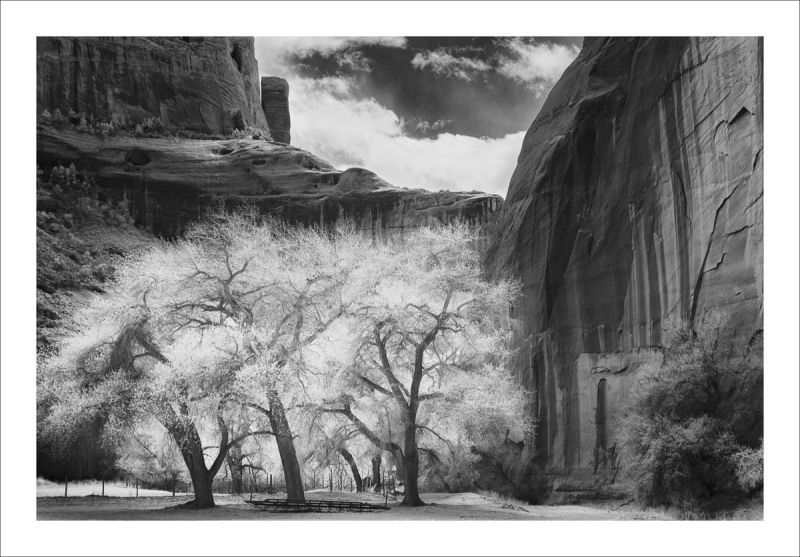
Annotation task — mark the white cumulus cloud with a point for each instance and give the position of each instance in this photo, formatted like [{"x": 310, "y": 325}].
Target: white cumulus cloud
[
  {"x": 272, "y": 52},
  {"x": 538, "y": 65},
  {"x": 329, "y": 122},
  {"x": 444, "y": 63}
]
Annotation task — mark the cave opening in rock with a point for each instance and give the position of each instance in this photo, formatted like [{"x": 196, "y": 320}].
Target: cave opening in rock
[{"x": 236, "y": 54}]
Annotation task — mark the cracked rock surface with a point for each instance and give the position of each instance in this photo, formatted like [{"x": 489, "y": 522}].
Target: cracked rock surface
[{"x": 637, "y": 198}]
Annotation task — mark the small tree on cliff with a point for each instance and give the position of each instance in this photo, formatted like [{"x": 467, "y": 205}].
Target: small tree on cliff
[
  {"x": 431, "y": 338},
  {"x": 201, "y": 330}
]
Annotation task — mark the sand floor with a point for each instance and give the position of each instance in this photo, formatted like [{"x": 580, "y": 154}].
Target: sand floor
[{"x": 440, "y": 506}]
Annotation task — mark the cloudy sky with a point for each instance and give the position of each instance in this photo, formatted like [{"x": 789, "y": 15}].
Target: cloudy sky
[{"x": 421, "y": 112}]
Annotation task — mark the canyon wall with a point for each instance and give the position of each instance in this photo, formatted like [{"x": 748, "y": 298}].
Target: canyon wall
[
  {"x": 166, "y": 182},
  {"x": 202, "y": 84},
  {"x": 637, "y": 199}
]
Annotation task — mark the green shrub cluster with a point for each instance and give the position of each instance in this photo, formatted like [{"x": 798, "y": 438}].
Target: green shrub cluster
[
  {"x": 117, "y": 125},
  {"x": 73, "y": 199},
  {"x": 693, "y": 428},
  {"x": 105, "y": 127},
  {"x": 250, "y": 133}
]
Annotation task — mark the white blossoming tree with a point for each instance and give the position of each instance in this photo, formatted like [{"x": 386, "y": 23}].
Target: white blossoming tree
[
  {"x": 204, "y": 332},
  {"x": 430, "y": 347}
]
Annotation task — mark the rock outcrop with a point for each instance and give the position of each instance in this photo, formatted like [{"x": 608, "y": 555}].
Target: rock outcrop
[
  {"x": 275, "y": 102},
  {"x": 202, "y": 84},
  {"x": 637, "y": 198},
  {"x": 166, "y": 182}
]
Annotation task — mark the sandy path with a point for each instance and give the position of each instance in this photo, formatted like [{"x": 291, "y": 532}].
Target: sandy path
[{"x": 442, "y": 506}]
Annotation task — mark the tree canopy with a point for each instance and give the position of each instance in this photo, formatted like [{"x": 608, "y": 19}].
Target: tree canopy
[{"x": 247, "y": 327}]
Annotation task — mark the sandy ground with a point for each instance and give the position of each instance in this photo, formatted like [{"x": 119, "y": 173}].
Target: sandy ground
[{"x": 441, "y": 506}]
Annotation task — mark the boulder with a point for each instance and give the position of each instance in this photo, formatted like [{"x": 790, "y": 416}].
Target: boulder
[
  {"x": 203, "y": 84},
  {"x": 637, "y": 198}
]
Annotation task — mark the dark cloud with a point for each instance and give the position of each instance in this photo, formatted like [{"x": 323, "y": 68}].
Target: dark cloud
[
  {"x": 478, "y": 85},
  {"x": 454, "y": 119}
]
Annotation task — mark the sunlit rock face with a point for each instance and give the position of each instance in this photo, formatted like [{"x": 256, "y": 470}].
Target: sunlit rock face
[
  {"x": 275, "y": 102},
  {"x": 168, "y": 181},
  {"x": 202, "y": 84},
  {"x": 637, "y": 198}
]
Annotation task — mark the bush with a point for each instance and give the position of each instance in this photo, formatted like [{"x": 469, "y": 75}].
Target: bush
[
  {"x": 75, "y": 199},
  {"x": 750, "y": 468},
  {"x": 250, "y": 133},
  {"x": 116, "y": 124},
  {"x": 692, "y": 418}
]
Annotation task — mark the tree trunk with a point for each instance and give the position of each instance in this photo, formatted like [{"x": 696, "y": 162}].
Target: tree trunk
[
  {"x": 202, "y": 483},
  {"x": 283, "y": 437},
  {"x": 354, "y": 467},
  {"x": 399, "y": 462},
  {"x": 235, "y": 465},
  {"x": 193, "y": 457},
  {"x": 411, "y": 465},
  {"x": 376, "y": 473}
]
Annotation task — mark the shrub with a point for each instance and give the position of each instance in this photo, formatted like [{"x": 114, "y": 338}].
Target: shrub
[
  {"x": 692, "y": 417},
  {"x": 250, "y": 133},
  {"x": 76, "y": 199},
  {"x": 750, "y": 468}
]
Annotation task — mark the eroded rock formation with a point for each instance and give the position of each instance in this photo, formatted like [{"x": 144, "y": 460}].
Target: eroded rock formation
[
  {"x": 202, "y": 84},
  {"x": 637, "y": 198},
  {"x": 275, "y": 102},
  {"x": 167, "y": 181}
]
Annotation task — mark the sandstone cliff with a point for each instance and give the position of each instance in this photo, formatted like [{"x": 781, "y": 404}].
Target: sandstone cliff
[
  {"x": 201, "y": 84},
  {"x": 637, "y": 198},
  {"x": 167, "y": 181}
]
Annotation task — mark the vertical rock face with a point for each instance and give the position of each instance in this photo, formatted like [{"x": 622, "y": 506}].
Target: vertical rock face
[
  {"x": 637, "y": 198},
  {"x": 275, "y": 102},
  {"x": 207, "y": 85}
]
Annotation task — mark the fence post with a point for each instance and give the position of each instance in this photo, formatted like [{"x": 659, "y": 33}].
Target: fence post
[
  {"x": 103, "y": 487},
  {"x": 66, "y": 483},
  {"x": 137, "y": 487}
]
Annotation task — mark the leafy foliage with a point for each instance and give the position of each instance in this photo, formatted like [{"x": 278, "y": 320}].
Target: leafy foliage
[{"x": 693, "y": 417}]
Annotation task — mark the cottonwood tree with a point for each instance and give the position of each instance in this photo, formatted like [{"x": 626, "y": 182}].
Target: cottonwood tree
[
  {"x": 206, "y": 328},
  {"x": 431, "y": 345}
]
